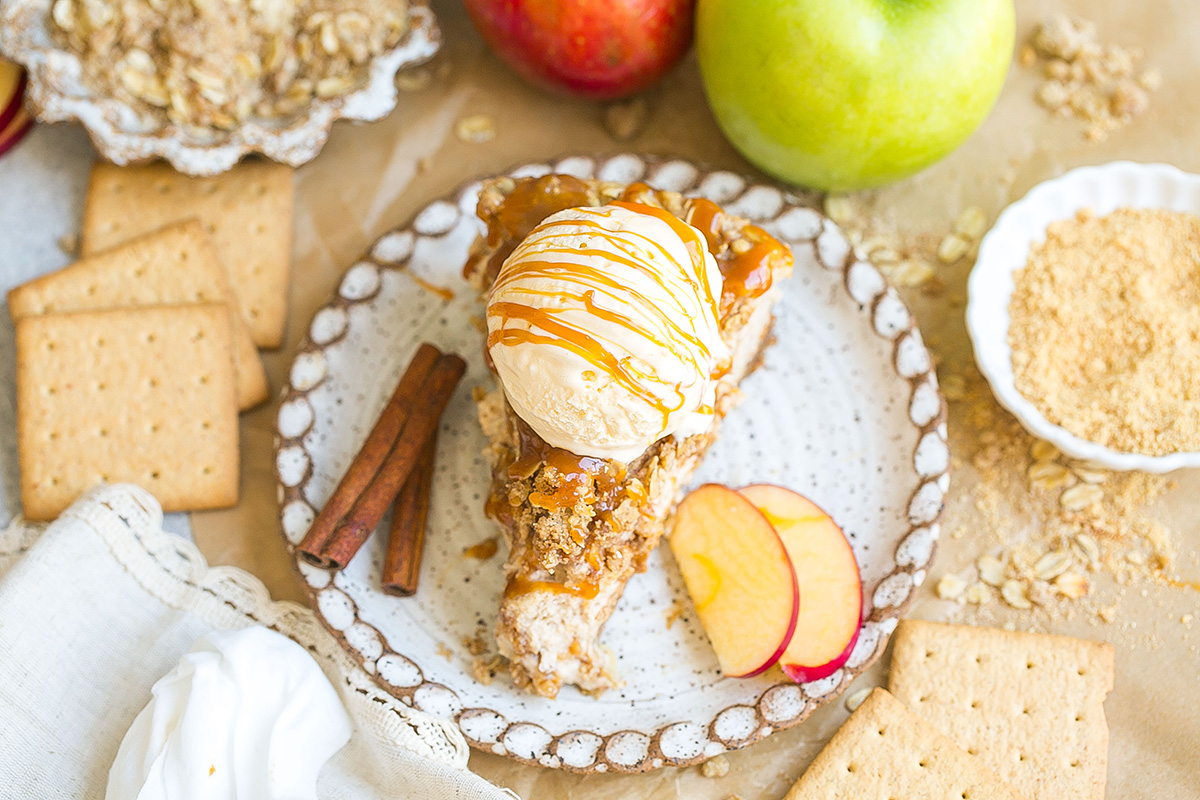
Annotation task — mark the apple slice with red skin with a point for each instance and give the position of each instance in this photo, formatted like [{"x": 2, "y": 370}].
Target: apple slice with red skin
[
  {"x": 827, "y": 572},
  {"x": 12, "y": 90},
  {"x": 16, "y": 130},
  {"x": 739, "y": 576}
]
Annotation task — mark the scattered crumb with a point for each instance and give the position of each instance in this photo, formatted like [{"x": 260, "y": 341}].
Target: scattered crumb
[
  {"x": 486, "y": 669},
  {"x": 69, "y": 244},
  {"x": 476, "y": 645},
  {"x": 1096, "y": 83},
  {"x": 626, "y": 119},
  {"x": 715, "y": 767},
  {"x": 475, "y": 129},
  {"x": 444, "y": 651},
  {"x": 950, "y": 586}
]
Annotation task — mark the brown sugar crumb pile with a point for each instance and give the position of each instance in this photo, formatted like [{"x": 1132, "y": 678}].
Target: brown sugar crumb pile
[
  {"x": 1105, "y": 329},
  {"x": 1096, "y": 83}
]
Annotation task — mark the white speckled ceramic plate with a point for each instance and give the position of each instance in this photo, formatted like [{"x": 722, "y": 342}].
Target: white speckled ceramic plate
[
  {"x": 845, "y": 410},
  {"x": 1005, "y": 249}
]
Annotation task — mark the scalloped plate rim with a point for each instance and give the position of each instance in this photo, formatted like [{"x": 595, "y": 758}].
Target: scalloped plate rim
[{"x": 884, "y": 616}]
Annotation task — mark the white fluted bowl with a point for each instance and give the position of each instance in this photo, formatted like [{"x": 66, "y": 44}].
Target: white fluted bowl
[{"x": 1102, "y": 189}]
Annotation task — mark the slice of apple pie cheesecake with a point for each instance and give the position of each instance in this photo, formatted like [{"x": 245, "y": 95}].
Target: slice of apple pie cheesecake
[{"x": 620, "y": 321}]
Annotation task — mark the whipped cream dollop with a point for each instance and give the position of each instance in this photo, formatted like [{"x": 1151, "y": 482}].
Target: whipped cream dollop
[
  {"x": 603, "y": 326},
  {"x": 245, "y": 715}
]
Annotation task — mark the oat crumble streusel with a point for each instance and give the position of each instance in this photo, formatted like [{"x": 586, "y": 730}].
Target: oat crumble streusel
[
  {"x": 1099, "y": 84},
  {"x": 211, "y": 64}
]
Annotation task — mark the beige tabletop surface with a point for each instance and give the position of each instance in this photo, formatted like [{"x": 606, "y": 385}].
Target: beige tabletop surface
[{"x": 373, "y": 177}]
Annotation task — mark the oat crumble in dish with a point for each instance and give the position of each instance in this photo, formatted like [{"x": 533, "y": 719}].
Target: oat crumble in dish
[{"x": 212, "y": 64}]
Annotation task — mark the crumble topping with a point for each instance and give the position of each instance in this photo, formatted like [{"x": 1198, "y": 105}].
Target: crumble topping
[
  {"x": 1105, "y": 331},
  {"x": 1099, "y": 84}
]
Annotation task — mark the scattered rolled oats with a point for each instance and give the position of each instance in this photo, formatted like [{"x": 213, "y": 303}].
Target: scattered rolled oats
[
  {"x": 1041, "y": 450},
  {"x": 909, "y": 273},
  {"x": 625, "y": 120},
  {"x": 1071, "y": 585},
  {"x": 1015, "y": 593},
  {"x": 952, "y": 248},
  {"x": 881, "y": 254},
  {"x": 978, "y": 594},
  {"x": 1052, "y": 565},
  {"x": 971, "y": 223},
  {"x": 1080, "y": 497},
  {"x": 950, "y": 586},
  {"x": 1089, "y": 474},
  {"x": 1136, "y": 557},
  {"x": 715, "y": 767},
  {"x": 991, "y": 570},
  {"x": 953, "y": 387},
  {"x": 1049, "y": 475},
  {"x": 414, "y": 80},
  {"x": 475, "y": 129},
  {"x": 1087, "y": 547},
  {"x": 839, "y": 208},
  {"x": 857, "y": 698}
]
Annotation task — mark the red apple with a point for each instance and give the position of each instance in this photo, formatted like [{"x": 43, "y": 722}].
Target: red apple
[
  {"x": 828, "y": 575},
  {"x": 596, "y": 49},
  {"x": 739, "y": 576}
]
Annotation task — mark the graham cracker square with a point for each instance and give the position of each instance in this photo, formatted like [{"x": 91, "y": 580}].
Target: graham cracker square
[
  {"x": 886, "y": 751},
  {"x": 176, "y": 264},
  {"x": 139, "y": 395},
  {"x": 247, "y": 211},
  {"x": 1029, "y": 706}
]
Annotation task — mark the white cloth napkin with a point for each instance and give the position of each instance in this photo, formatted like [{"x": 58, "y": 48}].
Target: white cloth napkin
[{"x": 103, "y": 603}]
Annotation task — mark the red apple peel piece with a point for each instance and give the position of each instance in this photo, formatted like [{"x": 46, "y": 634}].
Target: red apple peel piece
[{"x": 827, "y": 572}]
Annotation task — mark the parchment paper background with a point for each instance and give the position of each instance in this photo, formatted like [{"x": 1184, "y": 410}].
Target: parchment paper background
[{"x": 373, "y": 177}]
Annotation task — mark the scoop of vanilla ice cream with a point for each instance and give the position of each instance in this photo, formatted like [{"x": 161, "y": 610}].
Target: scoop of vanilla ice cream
[{"x": 603, "y": 328}]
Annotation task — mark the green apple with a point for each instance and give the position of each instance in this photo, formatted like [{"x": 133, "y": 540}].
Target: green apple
[{"x": 848, "y": 94}]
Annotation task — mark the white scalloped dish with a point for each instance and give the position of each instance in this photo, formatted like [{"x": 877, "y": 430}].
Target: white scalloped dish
[
  {"x": 1005, "y": 249},
  {"x": 56, "y": 93},
  {"x": 844, "y": 409}
]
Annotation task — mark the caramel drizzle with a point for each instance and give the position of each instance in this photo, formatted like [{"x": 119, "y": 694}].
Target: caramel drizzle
[
  {"x": 696, "y": 247},
  {"x": 581, "y": 344},
  {"x": 545, "y": 325}
]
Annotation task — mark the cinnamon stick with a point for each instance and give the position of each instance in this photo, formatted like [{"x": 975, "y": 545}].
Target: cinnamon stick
[
  {"x": 406, "y": 539},
  {"x": 400, "y": 463},
  {"x": 370, "y": 458}
]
